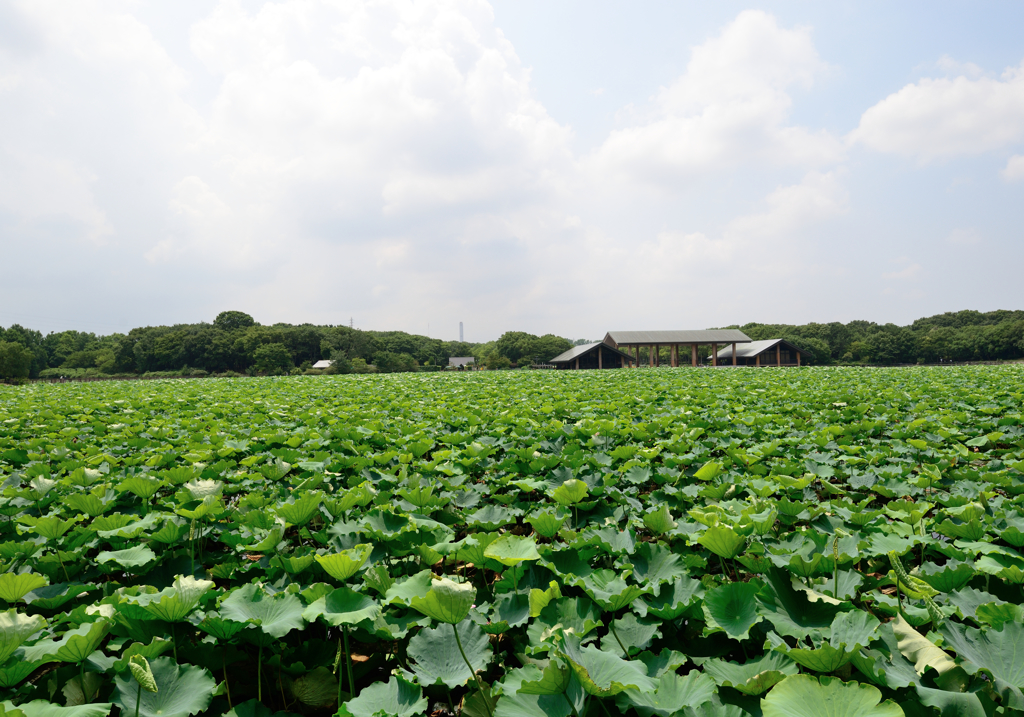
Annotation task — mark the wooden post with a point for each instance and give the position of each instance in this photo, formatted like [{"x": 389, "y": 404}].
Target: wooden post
[
  {"x": 693, "y": 354},
  {"x": 657, "y": 354},
  {"x": 734, "y": 354},
  {"x": 577, "y": 362},
  {"x": 797, "y": 358},
  {"x": 637, "y": 347},
  {"x": 622, "y": 362},
  {"x": 714, "y": 354},
  {"x": 757, "y": 361},
  {"x": 600, "y": 357},
  {"x": 778, "y": 355},
  {"x": 675, "y": 355}
]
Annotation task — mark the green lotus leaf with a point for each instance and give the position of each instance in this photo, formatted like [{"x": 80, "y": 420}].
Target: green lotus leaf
[
  {"x": 438, "y": 659},
  {"x": 791, "y": 612},
  {"x": 128, "y": 558},
  {"x": 630, "y": 633},
  {"x": 174, "y": 604},
  {"x": 446, "y": 601},
  {"x": 654, "y": 564},
  {"x": 74, "y": 646},
  {"x": 301, "y": 509},
  {"x": 674, "y": 599},
  {"x": 15, "y": 628},
  {"x": 182, "y": 690},
  {"x": 343, "y": 565},
  {"x": 659, "y": 521},
  {"x": 276, "y": 615},
  {"x": 609, "y": 590},
  {"x": 50, "y": 527},
  {"x": 806, "y": 696},
  {"x": 887, "y": 666},
  {"x": 522, "y": 704},
  {"x": 51, "y": 597},
  {"x": 570, "y": 492},
  {"x": 603, "y": 674},
  {"x": 673, "y": 693},
  {"x": 43, "y": 708},
  {"x": 15, "y": 586},
  {"x": 732, "y": 609},
  {"x": 547, "y": 522},
  {"x": 753, "y": 677},
  {"x": 552, "y": 680},
  {"x": 995, "y": 651},
  {"x": 510, "y": 550},
  {"x": 723, "y": 541},
  {"x": 342, "y": 607},
  {"x": 395, "y": 698},
  {"x": 156, "y": 647},
  {"x": 213, "y": 624},
  {"x": 317, "y": 689},
  {"x": 15, "y": 673}
]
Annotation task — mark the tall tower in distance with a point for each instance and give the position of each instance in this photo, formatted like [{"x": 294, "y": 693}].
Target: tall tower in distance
[{"x": 461, "y": 339}]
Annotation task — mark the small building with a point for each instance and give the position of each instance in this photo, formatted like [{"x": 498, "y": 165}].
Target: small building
[
  {"x": 595, "y": 355},
  {"x": 770, "y": 352},
  {"x": 687, "y": 339},
  {"x": 462, "y": 362},
  {"x": 323, "y": 363}
]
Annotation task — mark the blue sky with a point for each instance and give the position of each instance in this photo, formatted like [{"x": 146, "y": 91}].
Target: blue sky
[{"x": 568, "y": 167}]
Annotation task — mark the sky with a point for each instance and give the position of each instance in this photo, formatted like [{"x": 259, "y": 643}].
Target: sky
[{"x": 567, "y": 167}]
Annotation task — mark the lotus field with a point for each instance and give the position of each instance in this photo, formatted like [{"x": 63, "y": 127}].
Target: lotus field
[{"x": 843, "y": 542}]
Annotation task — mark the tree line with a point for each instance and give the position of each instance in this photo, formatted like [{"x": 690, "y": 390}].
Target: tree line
[
  {"x": 950, "y": 337},
  {"x": 234, "y": 343}
]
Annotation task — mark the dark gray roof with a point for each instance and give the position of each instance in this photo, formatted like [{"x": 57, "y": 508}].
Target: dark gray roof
[
  {"x": 577, "y": 351},
  {"x": 710, "y": 336},
  {"x": 753, "y": 348}
]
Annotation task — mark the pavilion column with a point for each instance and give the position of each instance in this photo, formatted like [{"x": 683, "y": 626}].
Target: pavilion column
[
  {"x": 657, "y": 354},
  {"x": 734, "y": 354},
  {"x": 650, "y": 355},
  {"x": 797, "y": 358},
  {"x": 577, "y": 362},
  {"x": 778, "y": 355},
  {"x": 693, "y": 354},
  {"x": 637, "y": 347},
  {"x": 757, "y": 361},
  {"x": 675, "y": 355},
  {"x": 600, "y": 357},
  {"x": 714, "y": 354}
]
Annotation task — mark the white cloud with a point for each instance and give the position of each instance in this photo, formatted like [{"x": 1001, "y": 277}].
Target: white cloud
[
  {"x": 910, "y": 272},
  {"x": 1014, "y": 169},
  {"x": 947, "y": 117},
  {"x": 730, "y": 108}
]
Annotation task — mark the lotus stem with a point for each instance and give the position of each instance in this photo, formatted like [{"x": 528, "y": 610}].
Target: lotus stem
[
  {"x": 224, "y": 664},
  {"x": 479, "y": 684},
  {"x": 81, "y": 679},
  {"x": 61, "y": 561},
  {"x": 571, "y": 705},
  {"x": 138, "y": 699},
  {"x": 348, "y": 663},
  {"x": 259, "y": 675},
  {"x": 625, "y": 652}
]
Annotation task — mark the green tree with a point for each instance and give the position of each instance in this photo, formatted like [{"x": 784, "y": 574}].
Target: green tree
[
  {"x": 515, "y": 345},
  {"x": 15, "y": 360},
  {"x": 233, "y": 320},
  {"x": 272, "y": 359}
]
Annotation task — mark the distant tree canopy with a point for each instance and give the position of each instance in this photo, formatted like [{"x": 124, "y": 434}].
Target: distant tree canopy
[
  {"x": 235, "y": 342},
  {"x": 519, "y": 346},
  {"x": 15, "y": 360}
]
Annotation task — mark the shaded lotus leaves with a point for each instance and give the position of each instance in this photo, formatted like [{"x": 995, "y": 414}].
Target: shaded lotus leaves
[
  {"x": 655, "y": 564},
  {"x": 603, "y": 674},
  {"x": 300, "y": 510},
  {"x": 790, "y": 611},
  {"x": 806, "y": 696},
  {"x": 548, "y": 522},
  {"x": 74, "y": 646},
  {"x": 317, "y": 689},
  {"x": 997, "y": 651},
  {"x": 396, "y": 698},
  {"x": 609, "y": 590},
  {"x": 673, "y": 599},
  {"x": 672, "y": 694},
  {"x": 44, "y": 708},
  {"x": 182, "y": 690},
  {"x": 732, "y": 609},
  {"x": 630, "y": 633},
  {"x": 129, "y": 558},
  {"x": 659, "y": 521},
  {"x": 884, "y": 664},
  {"x": 570, "y": 492},
  {"x": 753, "y": 677},
  {"x": 437, "y": 656},
  {"x": 342, "y": 607},
  {"x": 275, "y": 614}
]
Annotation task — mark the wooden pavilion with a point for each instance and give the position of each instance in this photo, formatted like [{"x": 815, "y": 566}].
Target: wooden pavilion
[
  {"x": 770, "y": 352},
  {"x": 674, "y": 339},
  {"x": 595, "y": 355}
]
